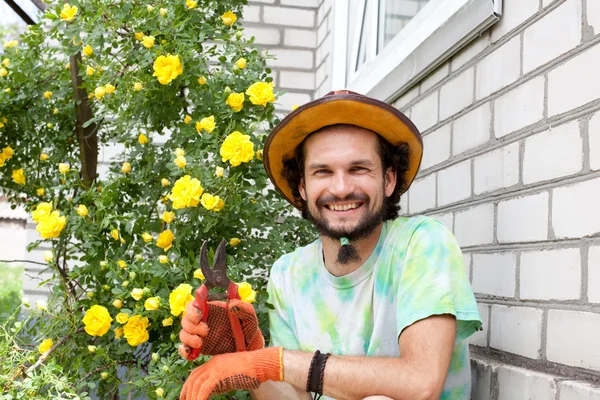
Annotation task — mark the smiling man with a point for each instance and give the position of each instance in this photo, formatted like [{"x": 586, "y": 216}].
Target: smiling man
[{"x": 380, "y": 306}]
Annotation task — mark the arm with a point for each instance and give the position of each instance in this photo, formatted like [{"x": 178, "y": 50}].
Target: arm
[{"x": 419, "y": 373}]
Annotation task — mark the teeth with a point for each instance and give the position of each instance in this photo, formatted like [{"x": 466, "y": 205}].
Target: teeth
[{"x": 343, "y": 207}]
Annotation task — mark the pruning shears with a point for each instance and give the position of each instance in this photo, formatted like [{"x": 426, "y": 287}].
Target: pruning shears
[{"x": 217, "y": 277}]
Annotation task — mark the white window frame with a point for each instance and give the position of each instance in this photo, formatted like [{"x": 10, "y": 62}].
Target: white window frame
[{"x": 438, "y": 31}]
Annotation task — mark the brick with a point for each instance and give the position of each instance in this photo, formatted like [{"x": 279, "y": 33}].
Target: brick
[
  {"x": 574, "y": 390},
  {"x": 301, "y": 59},
  {"x": 482, "y": 372},
  {"x": 479, "y": 338},
  {"x": 516, "y": 330},
  {"x": 457, "y": 94},
  {"x": 111, "y": 151},
  {"x": 265, "y": 36},
  {"x": 520, "y": 383},
  {"x": 519, "y": 108},
  {"x": 436, "y": 147},
  {"x": 435, "y": 77},
  {"x": 574, "y": 83},
  {"x": 454, "y": 183},
  {"x": 524, "y": 219},
  {"x": 404, "y": 204},
  {"x": 470, "y": 51},
  {"x": 323, "y": 30},
  {"x": 323, "y": 10},
  {"x": 324, "y": 88},
  {"x": 572, "y": 338},
  {"x": 467, "y": 264},
  {"x": 562, "y": 143},
  {"x": 475, "y": 226},
  {"x": 300, "y": 3},
  {"x": 496, "y": 169},
  {"x": 288, "y": 16},
  {"x": 551, "y": 275},
  {"x": 546, "y": 3},
  {"x": 425, "y": 112},
  {"x": 514, "y": 13},
  {"x": 407, "y": 97},
  {"x": 472, "y": 129},
  {"x": 321, "y": 73},
  {"x": 289, "y": 99},
  {"x": 593, "y": 293},
  {"x": 323, "y": 50},
  {"x": 297, "y": 80},
  {"x": 251, "y": 13},
  {"x": 575, "y": 211},
  {"x": 300, "y": 38},
  {"x": 422, "y": 194},
  {"x": 263, "y": 1},
  {"x": 594, "y": 138},
  {"x": 593, "y": 15},
  {"x": 494, "y": 274},
  {"x": 446, "y": 219},
  {"x": 499, "y": 69},
  {"x": 12, "y": 242}
]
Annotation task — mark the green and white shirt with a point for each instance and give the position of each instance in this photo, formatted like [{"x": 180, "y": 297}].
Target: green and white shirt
[{"x": 416, "y": 270}]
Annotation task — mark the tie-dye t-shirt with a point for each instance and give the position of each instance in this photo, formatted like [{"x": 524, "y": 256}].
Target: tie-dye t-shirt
[{"x": 416, "y": 270}]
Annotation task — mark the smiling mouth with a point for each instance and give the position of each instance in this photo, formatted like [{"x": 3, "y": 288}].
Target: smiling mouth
[{"x": 342, "y": 207}]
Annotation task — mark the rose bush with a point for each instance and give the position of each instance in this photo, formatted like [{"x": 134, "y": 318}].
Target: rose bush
[{"x": 185, "y": 100}]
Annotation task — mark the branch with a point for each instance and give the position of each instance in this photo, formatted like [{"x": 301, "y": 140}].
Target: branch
[
  {"x": 24, "y": 261},
  {"x": 50, "y": 351},
  {"x": 110, "y": 365}
]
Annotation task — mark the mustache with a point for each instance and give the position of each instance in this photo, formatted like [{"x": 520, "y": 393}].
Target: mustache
[{"x": 333, "y": 199}]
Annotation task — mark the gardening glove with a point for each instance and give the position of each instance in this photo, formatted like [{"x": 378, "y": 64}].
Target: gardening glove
[
  {"x": 215, "y": 336},
  {"x": 235, "y": 371}
]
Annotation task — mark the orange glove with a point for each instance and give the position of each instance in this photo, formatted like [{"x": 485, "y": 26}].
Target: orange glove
[
  {"x": 215, "y": 336},
  {"x": 235, "y": 371}
]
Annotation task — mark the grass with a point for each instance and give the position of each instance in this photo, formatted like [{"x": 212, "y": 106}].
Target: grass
[{"x": 10, "y": 290}]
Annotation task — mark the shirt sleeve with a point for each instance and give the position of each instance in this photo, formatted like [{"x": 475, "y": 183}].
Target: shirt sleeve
[
  {"x": 433, "y": 281},
  {"x": 280, "y": 328}
]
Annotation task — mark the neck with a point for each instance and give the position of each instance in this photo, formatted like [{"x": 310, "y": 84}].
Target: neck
[{"x": 364, "y": 248}]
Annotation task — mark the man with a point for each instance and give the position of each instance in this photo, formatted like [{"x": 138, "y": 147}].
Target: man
[{"x": 386, "y": 296}]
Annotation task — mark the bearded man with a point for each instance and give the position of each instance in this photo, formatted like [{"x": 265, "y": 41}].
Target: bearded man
[{"x": 379, "y": 306}]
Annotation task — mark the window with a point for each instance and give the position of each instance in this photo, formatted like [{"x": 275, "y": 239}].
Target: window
[{"x": 382, "y": 47}]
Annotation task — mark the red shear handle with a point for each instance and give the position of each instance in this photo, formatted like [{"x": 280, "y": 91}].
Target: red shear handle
[
  {"x": 236, "y": 327},
  {"x": 201, "y": 303}
]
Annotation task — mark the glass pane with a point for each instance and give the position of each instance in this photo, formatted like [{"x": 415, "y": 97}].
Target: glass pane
[{"x": 395, "y": 15}]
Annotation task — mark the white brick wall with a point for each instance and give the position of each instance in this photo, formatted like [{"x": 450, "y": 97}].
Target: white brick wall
[
  {"x": 551, "y": 275},
  {"x": 436, "y": 76},
  {"x": 470, "y": 51},
  {"x": 302, "y": 59},
  {"x": 472, "y": 129},
  {"x": 519, "y": 108},
  {"x": 573, "y": 390},
  {"x": 523, "y": 219},
  {"x": 300, "y": 38},
  {"x": 289, "y": 16},
  {"x": 479, "y": 338},
  {"x": 475, "y": 226},
  {"x": 573, "y": 338},
  {"x": 457, "y": 94},
  {"x": 542, "y": 151},
  {"x": 446, "y": 219},
  {"x": 422, "y": 194},
  {"x": 425, "y": 112},
  {"x": 514, "y": 13},
  {"x": 268, "y": 36},
  {"x": 436, "y": 147},
  {"x": 499, "y": 69},
  {"x": 494, "y": 274},
  {"x": 454, "y": 183},
  {"x": 553, "y": 35},
  {"x": 297, "y": 80},
  {"x": 594, "y": 135},
  {"x": 517, "y": 330},
  {"x": 593, "y": 15},
  {"x": 519, "y": 383},
  {"x": 594, "y": 275},
  {"x": 575, "y": 211},
  {"x": 496, "y": 169}
]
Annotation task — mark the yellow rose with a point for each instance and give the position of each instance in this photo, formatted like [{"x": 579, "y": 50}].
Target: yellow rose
[
  {"x": 136, "y": 330},
  {"x": 208, "y": 124},
  {"x": 99, "y": 92},
  {"x": 138, "y": 86},
  {"x": 47, "y": 95},
  {"x": 241, "y": 63},
  {"x": 167, "y": 68},
  {"x": 219, "y": 171},
  {"x": 50, "y": 226},
  {"x": 139, "y": 36},
  {"x": 198, "y": 274},
  {"x": 115, "y": 234},
  {"x": 167, "y": 321},
  {"x": 122, "y": 318},
  {"x": 259, "y": 154},
  {"x": 42, "y": 210},
  {"x": 146, "y": 237},
  {"x": 160, "y": 392},
  {"x": 8, "y": 152},
  {"x": 50, "y": 125},
  {"x": 92, "y": 349},
  {"x": 235, "y": 101},
  {"x": 82, "y": 210},
  {"x": 137, "y": 293},
  {"x": 150, "y": 8},
  {"x": 220, "y": 204},
  {"x": 261, "y": 93},
  {"x": 7, "y": 90},
  {"x": 148, "y": 41},
  {"x": 110, "y": 89},
  {"x": 163, "y": 11},
  {"x": 163, "y": 259},
  {"x": 165, "y": 182},
  {"x": 209, "y": 201},
  {"x": 48, "y": 256},
  {"x": 229, "y": 18},
  {"x": 10, "y": 44},
  {"x": 68, "y": 65},
  {"x": 122, "y": 264},
  {"x": 41, "y": 305},
  {"x": 126, "y": 168},
  {"x": 55, "y": 111},
  {"x": 234, "y": 242},
  {"x": 68, "y": 13},
  {"x": 104, "y": 375},
  {"x": 165, "y": 240},
  {"x": 97, "y": 321},
  {"x": 186, "y": 192},
  {"x": 187, "y": 119},
  {"x": 246, "y": 292},
  {"x": 118, "y": 303},
  {"x": 18, "y": 177},
  {"x": 45, "y": 345},
  {"x": 6, "y": 62},
  {"x": 168, "y": 216},
  {"x": 143, "y": 139},
  {"x": 190, "y": 4},
  {"x": 63, "y": 168},
  {"x": 152, "y": 303},
  {"x": 88, "y": 51},
  {"x": 89, "y": 71},
  {"x": 3, "y": 72},
  {"x": 118, "y": 332},
  {"x": 237, "y": 148},
  {"x": 179, "y": 152},
  {"x": 179, "y": 298},
  {"x": 202, "y": 80},
  {"x": 180, "y": 161}
]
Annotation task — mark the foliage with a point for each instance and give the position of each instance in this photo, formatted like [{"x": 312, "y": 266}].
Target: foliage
[
  {"x": 104, "y": 232},
  {"x": 10, "y": 290}
]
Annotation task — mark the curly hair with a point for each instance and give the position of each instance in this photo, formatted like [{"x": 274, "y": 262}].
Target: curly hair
[{"x": 394, "y": 157}]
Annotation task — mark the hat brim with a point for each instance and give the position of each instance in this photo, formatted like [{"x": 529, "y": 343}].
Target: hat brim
[{"x": 347, "y": 108}]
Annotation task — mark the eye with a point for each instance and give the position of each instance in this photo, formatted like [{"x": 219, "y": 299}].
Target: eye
[
  {"x": 321, "y": 171},
  {"x": 357, "y": 168}
]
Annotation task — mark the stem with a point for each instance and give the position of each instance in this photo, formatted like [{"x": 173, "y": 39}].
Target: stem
[
  {"x": 48, "y": 352},
  {"x": 23, "y": 261}
]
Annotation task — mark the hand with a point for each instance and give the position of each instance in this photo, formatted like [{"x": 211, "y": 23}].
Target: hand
[
  {"x": 235, "y": 371},
  {"x": 215, "y": 336}
]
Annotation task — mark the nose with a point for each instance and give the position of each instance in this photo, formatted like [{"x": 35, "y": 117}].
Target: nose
[{"x": 341, "y": 185}]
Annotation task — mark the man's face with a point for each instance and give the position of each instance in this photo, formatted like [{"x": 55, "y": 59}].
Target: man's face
[{"x": 344, "y": 185}]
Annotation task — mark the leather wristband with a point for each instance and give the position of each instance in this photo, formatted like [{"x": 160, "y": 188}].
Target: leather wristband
[{"x": 316, "y": 373}]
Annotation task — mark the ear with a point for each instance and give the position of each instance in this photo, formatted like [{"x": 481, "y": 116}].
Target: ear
[
  {"x": 302, "y": 189},
  {"x": 390, "y": 182}
]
